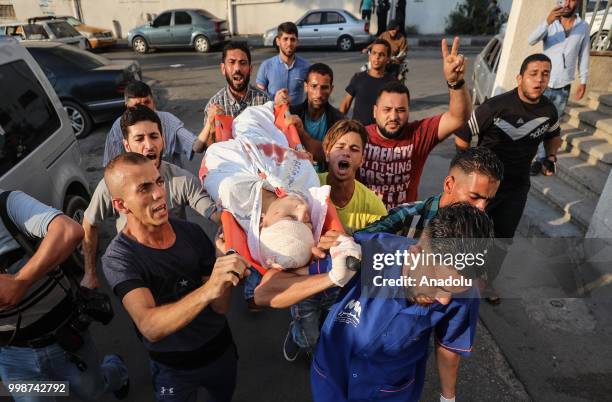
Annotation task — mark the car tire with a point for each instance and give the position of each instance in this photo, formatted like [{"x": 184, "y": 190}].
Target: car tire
[
  {"x": 74, "y": 208},
  {"x": 201, "y": 44},
  {"x": 345, "y": 43},
  {"x": 601, "y": 43},
  {"x": 140, "y": 45},
  {"x": 79, "y": 119}
]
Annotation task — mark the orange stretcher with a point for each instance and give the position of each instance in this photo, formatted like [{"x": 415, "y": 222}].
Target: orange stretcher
[{"x": 235, "y": 237}]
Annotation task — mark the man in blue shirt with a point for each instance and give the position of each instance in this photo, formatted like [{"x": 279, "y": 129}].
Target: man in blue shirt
[
  {"x": 566, "y": 41},
  {"x": 287, "y": 70},
  {"x": 374, "y": 342}
]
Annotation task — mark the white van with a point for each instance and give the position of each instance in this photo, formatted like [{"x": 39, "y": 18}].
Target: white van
[{"x": 39, "y": 154}]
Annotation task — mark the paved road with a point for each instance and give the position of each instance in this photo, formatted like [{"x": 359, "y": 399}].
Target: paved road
[{"x": 183, "y": 83}]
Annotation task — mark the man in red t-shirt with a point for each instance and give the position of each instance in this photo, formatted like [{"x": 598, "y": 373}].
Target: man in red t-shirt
[{"x": 397, "y": 150}]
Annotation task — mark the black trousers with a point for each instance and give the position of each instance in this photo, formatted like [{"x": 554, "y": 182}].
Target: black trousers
[
  {"x": 505, "y": 210},
  {"x": 382, "y": 21}
]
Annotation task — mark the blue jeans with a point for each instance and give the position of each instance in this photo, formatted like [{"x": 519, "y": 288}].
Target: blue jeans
[
  {"x": 52, "y": 363},
  {"x": 308, "y": 316},
  {"x": 177, "y": 385},
  {"x": 559, "y": 97},
  {"x": 250, "y": 283}
]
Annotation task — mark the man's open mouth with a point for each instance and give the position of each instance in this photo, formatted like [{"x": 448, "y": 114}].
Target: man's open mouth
[
  {"x": 151, "y": 155},
  {"x": 160, "y": 208}
]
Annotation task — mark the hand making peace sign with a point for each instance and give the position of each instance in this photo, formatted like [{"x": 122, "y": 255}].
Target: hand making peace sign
[{"x": 454, "y": 64}]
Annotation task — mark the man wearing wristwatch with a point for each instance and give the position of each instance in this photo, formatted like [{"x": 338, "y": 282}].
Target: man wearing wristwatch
[
  {"x": 397, "y": 150},
  {"x": 512, "y": 125}
]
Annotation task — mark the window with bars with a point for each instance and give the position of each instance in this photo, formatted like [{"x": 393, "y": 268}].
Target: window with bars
[{"x": 7, "y": 12}]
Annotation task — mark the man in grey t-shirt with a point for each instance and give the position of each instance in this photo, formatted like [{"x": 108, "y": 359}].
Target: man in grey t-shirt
[
  {"x": 142, "y": 133},
  {"x": 29, "y": 345}
]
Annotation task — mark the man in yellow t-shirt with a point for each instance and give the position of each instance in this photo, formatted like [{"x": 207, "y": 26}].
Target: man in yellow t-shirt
[{"x": 357, "y": 207}]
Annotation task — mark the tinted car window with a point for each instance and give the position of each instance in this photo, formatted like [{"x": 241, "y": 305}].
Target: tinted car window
[
  {"x": 60, "y": 58},
  {"x": 27, "y": 116},
  {"x": 312, "y": 19},
  {"x": 35, "y": 32},
  {"x": 491, "y": 57},
  {"x": 182, "y": 18},
  {"x": 162, "y": 20},
  {"x": 334, "y": 18},
  {"x": 62, "y": 29}
]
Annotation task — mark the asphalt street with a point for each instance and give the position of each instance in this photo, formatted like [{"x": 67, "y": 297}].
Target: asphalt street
[{"x": 183, "y": 81}]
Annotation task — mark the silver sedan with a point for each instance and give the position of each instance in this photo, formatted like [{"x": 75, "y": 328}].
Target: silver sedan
[{"x": 328, "y": 27}]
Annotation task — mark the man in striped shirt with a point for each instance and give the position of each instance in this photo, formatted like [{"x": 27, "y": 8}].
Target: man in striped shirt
[
  {"x": 238, "y": 94},
  {"x": 473, "y": 176},
  {"x": 177, "y": 139}
]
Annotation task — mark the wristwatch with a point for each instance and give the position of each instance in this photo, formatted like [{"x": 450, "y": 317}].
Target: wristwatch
[{"x": 456, "y": 85}]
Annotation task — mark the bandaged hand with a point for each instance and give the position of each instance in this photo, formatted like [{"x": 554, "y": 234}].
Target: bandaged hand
[{"x": 340, "y": 275}]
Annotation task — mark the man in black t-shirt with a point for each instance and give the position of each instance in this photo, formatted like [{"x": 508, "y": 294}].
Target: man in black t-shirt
[
  {"x": 512, "y": 125},
  {"x": 165, "y": 274},
  {"x": 364, "y": 86}
]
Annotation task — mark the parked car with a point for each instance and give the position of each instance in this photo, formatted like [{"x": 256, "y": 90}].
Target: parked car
[
  {"x": 96, "y": 38},
  {"x": 52, "y": 30},
  {"x": 180, "y": 28},
  {"x": 39, "y": 154},
  {"x": 485, "y": 69},
  {"x": 602, "y": 42},
  {"x": 328, "y": 27},
  {"x": 89, "y": 86}
]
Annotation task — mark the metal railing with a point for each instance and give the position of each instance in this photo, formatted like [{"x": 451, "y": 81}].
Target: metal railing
[{"x": 599, "y": 23}]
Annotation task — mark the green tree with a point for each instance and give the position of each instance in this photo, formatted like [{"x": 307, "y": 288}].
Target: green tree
[{"x": 468, "y": 18}]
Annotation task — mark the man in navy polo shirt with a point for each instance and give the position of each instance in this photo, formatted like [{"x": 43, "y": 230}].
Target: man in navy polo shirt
[
  {"x": 374, "y": 342},
  {"x": 287, "y": 70}
]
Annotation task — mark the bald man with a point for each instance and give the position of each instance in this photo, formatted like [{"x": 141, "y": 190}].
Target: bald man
[
  {"x": 142, "y": 133},
  {"x": 165, "y": 273}
]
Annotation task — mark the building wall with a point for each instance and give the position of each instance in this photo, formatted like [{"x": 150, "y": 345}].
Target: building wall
[{"x": 250, "y": 16}]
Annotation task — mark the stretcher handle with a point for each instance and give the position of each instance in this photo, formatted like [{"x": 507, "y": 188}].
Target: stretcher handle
[{"x": 353, "y": 263}]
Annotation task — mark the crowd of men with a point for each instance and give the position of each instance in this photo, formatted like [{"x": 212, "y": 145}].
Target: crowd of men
[{"x": 175, "y": 283}]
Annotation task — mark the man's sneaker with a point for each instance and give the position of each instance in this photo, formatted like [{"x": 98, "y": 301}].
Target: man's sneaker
[
  {"x": 123, "y": 391},
  {"x": 291, "y": 350},
  {"x": 536, "y": 168}
]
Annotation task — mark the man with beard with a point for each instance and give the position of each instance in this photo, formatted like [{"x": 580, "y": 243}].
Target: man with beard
[
  {"x": 512, "y": 125},
  {"x": 365, "y": 85},
  {"x": 316, "y": 115},
  {"x": 238, "y": 94},
  {"x": 566, "y": 42},
  {"x": 177, "y": 139},
  {"x": 142, "y": 133},
  {"x": 357, "y": 207},
  {"x": 397, "y": 150},
  {"x": 287, "y": 70}
]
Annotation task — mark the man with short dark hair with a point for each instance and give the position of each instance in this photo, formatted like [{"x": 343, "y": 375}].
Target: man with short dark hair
[
  {"x": 512, "y": 125},
  {"x": 399, "y": 46},
  {"x": 287, "y": 70},
  {"x": 238, "y": 94},
  {"x": 364, "y": 85},
  {"x": 178, "y": 140},
  {"x": 176, "y": 292},
  {"x": 142, "y": 133},
  {"x": 316, "y": 115},
  {"x": 473, "y": 176},
  {"x": 397, "y": 150}
]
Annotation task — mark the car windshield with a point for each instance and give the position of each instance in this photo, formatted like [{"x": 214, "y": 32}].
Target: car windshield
[
  {"x": 351, "y": 16},
  {"x": 57, "y": 57},
  {"x": 62, "y": 29},
  {"x": 206, "y": 14},
  {"x": 73, "y": 21}
]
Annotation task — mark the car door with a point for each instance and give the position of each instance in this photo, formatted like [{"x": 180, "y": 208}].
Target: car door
[
  {"x": 309, "y": 29},
  {"x": 332, "y": 28},
  {"x": 181, "y": 28},
  {"x": 491, "y": 61},
  {"x": 160, "y": 34}
]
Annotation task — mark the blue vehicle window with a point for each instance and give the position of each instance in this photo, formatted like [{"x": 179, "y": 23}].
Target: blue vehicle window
[
  {"x": 162, "y": 20},
  {"x": 27, "y": 115},
  {"x": 334, "y": 18},
  {"x": 182, "y": 18},
  {"x": 312, "y": 19}
]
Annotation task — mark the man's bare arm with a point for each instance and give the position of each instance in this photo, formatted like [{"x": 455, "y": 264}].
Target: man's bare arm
[
  {"x": 460, "y": 105},
  {"x": 448, "y": 364},
  {"x": 552, "y": 145},
  {"x": 345, "y": 105},
  {"x": 281, "y": 289},
  {"x": 90, "y": 251}
]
